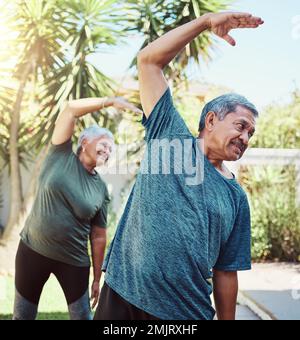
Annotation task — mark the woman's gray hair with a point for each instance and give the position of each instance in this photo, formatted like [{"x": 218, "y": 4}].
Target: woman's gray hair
[
  {"x": 224, "y": 105},
  {"x": 92, "y": 133}
]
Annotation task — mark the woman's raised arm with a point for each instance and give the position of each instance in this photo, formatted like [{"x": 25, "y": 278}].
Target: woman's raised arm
[{"x": 64, "y": 126}]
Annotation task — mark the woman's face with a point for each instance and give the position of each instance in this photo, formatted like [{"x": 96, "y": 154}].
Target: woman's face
[{"x": 98, "y": 150}]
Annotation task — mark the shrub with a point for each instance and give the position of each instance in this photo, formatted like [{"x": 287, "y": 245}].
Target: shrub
[
  {"x": 274, "y": 212},
  {"x": 279, "y": 126}
]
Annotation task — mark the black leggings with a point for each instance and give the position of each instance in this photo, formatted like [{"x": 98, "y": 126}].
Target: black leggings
[{"x": 33, "y": 270}]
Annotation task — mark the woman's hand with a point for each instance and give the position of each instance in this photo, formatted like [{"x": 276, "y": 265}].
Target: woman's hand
[
  {"x": 122, "y": 104},
  {"x": 222, "y": 23},
  {"x": 95, "y": 293}
]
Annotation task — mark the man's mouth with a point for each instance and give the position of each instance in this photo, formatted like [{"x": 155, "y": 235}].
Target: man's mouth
[{"x": 238, "y": 146}]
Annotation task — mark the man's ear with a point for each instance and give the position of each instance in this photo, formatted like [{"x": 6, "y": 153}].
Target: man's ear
[{"x": 210, "y": 120}]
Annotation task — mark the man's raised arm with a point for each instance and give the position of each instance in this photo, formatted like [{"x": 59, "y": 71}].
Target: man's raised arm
[{"x": 153, "y": 58}]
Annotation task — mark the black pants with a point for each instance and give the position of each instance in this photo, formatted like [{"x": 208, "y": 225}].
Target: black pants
[
  {"x": 32, "y": 272},
  {"x": 113, "y": 307}
]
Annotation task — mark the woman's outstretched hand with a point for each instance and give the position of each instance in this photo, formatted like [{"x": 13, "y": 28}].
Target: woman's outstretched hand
[
  {"x": 122, "y": 104},
  {"x": 222, "y": 23}
]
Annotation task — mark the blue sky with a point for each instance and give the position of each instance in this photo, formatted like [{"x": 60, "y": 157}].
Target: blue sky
[{"x": 264, "y": 66}]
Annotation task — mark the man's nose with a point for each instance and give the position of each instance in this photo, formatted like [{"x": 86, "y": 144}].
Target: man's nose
[{"x": 245, "y": 138}]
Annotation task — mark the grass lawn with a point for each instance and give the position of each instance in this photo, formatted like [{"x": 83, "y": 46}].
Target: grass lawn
[{"x": 52, "y": 305}]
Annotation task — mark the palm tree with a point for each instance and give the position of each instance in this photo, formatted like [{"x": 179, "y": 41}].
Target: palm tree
[
  {"x": 153, "y": 18},
  {"x": 57, "y": 37},
  {"x": 38, "y": 31},
  {"x": 90, "y": 26}
]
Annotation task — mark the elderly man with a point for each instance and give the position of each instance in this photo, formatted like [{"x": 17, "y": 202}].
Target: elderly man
[{"x": 174, "y": 236}]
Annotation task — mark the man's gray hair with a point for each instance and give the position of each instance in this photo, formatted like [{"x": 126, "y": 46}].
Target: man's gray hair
[
  {"x": 92, "y": 133},
  {"x": 225, "y": 104}
]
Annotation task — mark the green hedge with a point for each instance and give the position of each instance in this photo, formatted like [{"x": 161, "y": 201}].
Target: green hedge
[
  {"x": 272, "y": 190},
  {"x": 279, "y": 126},
  {"x": 274, "y": 212}
]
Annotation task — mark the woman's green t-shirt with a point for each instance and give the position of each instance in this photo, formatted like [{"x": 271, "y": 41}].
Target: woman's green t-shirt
[{"x": 70, "y": 200}]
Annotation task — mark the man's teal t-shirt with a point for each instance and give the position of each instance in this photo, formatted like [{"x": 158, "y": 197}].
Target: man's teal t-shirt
[{"x": 173, "y": 233}]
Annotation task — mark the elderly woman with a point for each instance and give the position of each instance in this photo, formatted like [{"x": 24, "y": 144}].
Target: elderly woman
[{"x": 70, "y": 207}]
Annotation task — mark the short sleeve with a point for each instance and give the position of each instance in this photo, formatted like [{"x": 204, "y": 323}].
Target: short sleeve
[
  {"x": 56, "y": 152},
  {"x": 235, "y": 255},
  {"x": 100, "y": 219},
  {"x": 164, "y": 120},
  {"x": 64, "y": 148}
]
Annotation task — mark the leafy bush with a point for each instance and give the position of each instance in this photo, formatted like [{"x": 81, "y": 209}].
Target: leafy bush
[
  {"x": 274, "y": 212},
  {"x": 279, "y": 126},
  {"x": 272, "y": 190}
]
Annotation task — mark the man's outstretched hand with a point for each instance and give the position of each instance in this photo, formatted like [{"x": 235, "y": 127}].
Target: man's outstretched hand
[{"x": 222, "y": 23}]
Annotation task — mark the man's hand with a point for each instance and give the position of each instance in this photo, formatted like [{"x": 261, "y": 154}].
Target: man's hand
[
  {"x": 222, "y": 23},
  {"x": 95, "y": 293}
]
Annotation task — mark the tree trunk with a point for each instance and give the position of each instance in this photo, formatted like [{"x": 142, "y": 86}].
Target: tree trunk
[
  {"x": 16, "y": 197},
  {"x": 31, "y": 192},
  {"x": 9, "y": 248}
]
